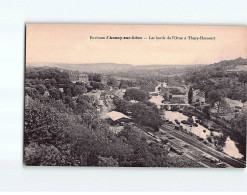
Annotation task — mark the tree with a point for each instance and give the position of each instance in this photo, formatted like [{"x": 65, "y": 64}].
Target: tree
[
  {"x": 95, "y": 77},
  {"x": 124, "y": 84},
  {"x": 166, "y": 95},
  {"x": 45, "y": 155},
  {"x": 55, "y": 93},
  {"x": 243, "y": 78},
  {"x": 67, "y": 99},
  {"x": 142, "y": 154},
  {"x": 68, "y": 91},
  {"x": 84, "y": 104},
  {"x": 107, "y": 162},
  {"x": 146, "y": 115},
  {"x": 79, "y": 89},
  {"x": 41, "y": 89},
  {"x": 190, "y": 95},
  {"x": 31, "y": 92},
  {"x": 136, "y": 94},
  {"x": 43, "y": 125},
  {"x": 217, "y": 97},
  {"x": 148, "y": 83},
  {"x": 97, "y": 85},
  {"x": 112, "y": 82},
  {"x": 122, "y": 105},
  {"x": 206, "y": 111}
]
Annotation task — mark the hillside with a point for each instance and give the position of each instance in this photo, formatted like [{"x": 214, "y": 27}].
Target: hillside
[
  {"x": 236, "y": 64},
  {"x": 239, "y": 64},
  {"x": 96, "y": 68},
  {"x": 112, "y": 67}
]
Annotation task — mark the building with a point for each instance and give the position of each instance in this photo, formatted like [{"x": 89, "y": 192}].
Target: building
[
  {"x": 61, "y": 89},
  {"x": 75, "y": 76},
  {"x": 118, "y": 118},
  {"x": 104, "y": 80},
  {"x": 101, "y": 103},
  {"x": 133, "y": 101},
  {"x": 83, "y": 77},
  {"x": 198, "y": 97},
  {"x": 178, "y": 99}
]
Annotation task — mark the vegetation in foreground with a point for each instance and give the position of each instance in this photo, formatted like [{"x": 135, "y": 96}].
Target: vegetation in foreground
[{"x": 63, "y": 129}]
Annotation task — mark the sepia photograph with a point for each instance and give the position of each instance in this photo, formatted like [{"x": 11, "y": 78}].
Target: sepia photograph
[{"x": 111, "y": 95}]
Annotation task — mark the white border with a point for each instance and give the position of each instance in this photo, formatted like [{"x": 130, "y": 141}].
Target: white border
[{"x": 13, "y": 16}]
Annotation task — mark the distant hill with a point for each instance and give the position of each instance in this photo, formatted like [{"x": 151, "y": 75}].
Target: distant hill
[
  {"x": 236, "y": 64},
  {"x": 162, "y": 67},
  {"x": 108, "y": 67},
  {"x": 97, "y": 68}
]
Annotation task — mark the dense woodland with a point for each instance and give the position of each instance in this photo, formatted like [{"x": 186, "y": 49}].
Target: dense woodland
[{"x": 63, "y": 128}]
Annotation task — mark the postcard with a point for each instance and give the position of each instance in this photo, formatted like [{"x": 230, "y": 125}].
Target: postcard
[{"x": 111, "y": 95}]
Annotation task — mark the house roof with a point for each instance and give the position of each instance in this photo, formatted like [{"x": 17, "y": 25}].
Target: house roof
[
  {"x": 114, "y": 115},
  {"x": 180, "y": 96},
  {"x": 101, "y": 102}
]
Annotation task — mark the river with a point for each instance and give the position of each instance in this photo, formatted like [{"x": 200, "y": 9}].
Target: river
[
  {"x": 157, "y": 99},
  {"x": 229, "y": 147}
]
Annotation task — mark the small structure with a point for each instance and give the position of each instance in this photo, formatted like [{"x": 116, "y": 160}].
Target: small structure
[
  {"x": 46, "y": 94},
  {"x": 133, "y": 101},
  {"x": 178, "y": 99},
  {"x": 61, "y": 89},
  {"x": 198, "y": 97},
  {"x": 169, "y": 106},
  {"x": 98, "y": 109},
  {"x": 73, "y": 76},
  {"x": 76, "y": 76},
  {"x": 104, "y": 80},
  {"x": 101, "y": 103},
  {"x": 83, "y": 77},
  {"x": 118, "y": 117}
]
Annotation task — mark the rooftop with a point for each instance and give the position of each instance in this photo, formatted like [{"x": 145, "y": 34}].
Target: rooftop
[{"x": 114, "y": 115}]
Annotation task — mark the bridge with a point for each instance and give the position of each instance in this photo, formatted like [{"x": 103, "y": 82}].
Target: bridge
[{"x": 173, "y": 106}]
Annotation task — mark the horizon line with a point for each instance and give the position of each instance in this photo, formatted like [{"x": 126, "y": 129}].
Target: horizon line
[{"x": 28, "y": 63}]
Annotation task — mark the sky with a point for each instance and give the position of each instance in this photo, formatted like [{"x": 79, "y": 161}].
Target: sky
[{"x": 71, "y": 43}]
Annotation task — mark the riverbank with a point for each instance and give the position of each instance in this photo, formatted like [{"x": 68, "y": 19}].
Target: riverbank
[{"x": 219, "y": 137}]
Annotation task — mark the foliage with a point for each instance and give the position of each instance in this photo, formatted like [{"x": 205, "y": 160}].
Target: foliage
[
  {"x": 112, "y": 82},
  {"x": 147, "y": 84},
  {"x": 143, "y": 155},
  {"x": 122, "y": 105},
  {"x": 97, "y": 85},
  {"x": 95, "y": 77},
  {"x": 190, "y": 95},
  {"x": 243, "y": 77},
  {"x": 136, "y": 94},
  {"x": 146, "y": 115},
  {"x": 217, "y": 97},
  {"x": 107, "y": 162},
  {"x": 63, "y": 128},
  {"x": 206, "y": 111},
  {"x": 124, "y": 84},
  {"x": 43, "y": 125}
]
